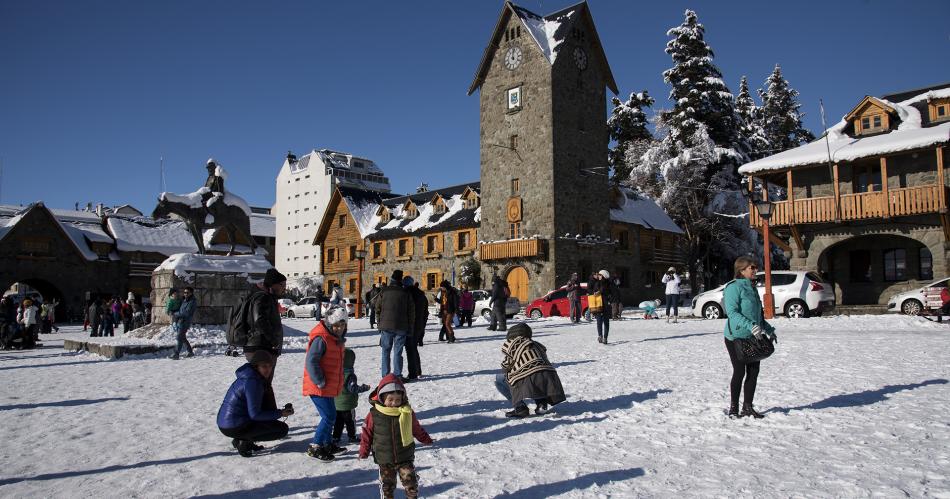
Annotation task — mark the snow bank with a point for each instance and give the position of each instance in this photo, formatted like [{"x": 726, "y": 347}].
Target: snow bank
[{"x": 185, "y": 264}]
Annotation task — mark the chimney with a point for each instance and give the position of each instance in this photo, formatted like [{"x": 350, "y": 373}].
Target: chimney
[
  {"x": 423, "y": 187},
  {"x": 291, "y": 157},
  {"x": 99, "y": 209}
]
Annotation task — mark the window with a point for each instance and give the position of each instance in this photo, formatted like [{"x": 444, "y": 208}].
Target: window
[
  {"x": 895, "y": 264},
  {"x": 860, "y": 265},
  {"x": 463, "y": 239},
  {"x": 870, "y": 123},
  {"x": 514, "y": 230},
  {"x": 515, "y": 186},
  {"x": 624, "y": 237},
  {"x": 439, "y": 207},
  {"x": 341, "y": 220},
  {"x": 624, "y": 275},
  {"x": 377, "y": 250},
  {"x": 432, "y": 244},
  {"x": 432, "y": 280},
  {"x": 403, "y": 248},
  {"x": 352, "y": 253},
  {"x": 513, "y": 97},
  {"x": 412, "y": 211},
  {"x": 780, "y": 279},
  {"x": 351, "y": 286},
  {"x": 331, "y": 255},
  {"x": 926, "y": 265},
  {"x": 939, "y": 110},
  {"x": 513, "y": 141},
  {"x": 867, "y": 178},
  {"x": 471, "y": 202}
]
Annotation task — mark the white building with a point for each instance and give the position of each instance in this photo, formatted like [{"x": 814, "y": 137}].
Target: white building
[{"x": 304, "y": 187}]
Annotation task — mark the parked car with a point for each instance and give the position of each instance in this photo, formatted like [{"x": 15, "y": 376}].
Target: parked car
[
  {"x": 482, "y": 296},
  {"x": 556, "y": 304},
  {"x": 283, "y": 305},
  {"x": 915, "y": 301},
  {"x": 796, "y": 293},
  {"x": 350, "y": 306},
  {"x": 306, "y": 307}
]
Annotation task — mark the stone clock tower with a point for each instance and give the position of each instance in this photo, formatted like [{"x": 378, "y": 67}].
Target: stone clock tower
[{"x": 544, "y": 143}]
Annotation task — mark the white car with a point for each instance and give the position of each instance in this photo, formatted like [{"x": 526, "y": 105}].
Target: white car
[
  {"x": 307, "y": 307},
  {"x": 283, "y": 304},
  {"x": 796, "y": 293},
  {"x": 914, "y": 302},
  {"x": 482, "y": 297}
]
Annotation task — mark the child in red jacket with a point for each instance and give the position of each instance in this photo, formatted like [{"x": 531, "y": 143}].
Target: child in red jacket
[{"x": 388, "y": 432}]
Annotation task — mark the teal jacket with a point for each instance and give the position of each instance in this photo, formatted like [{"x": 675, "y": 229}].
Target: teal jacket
[{"x": 743, "y": 310}]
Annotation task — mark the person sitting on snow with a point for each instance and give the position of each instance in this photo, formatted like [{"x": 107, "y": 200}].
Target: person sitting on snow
[
  {"x": 527, "y": 374},
  {"x": 249, "y": 412}
]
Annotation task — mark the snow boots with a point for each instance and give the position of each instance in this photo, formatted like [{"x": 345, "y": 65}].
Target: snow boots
[
  {"x": 320, "y": 452},
  {"x": 541, "y": 407},
  {"x": 734, "y": 412},
  {"x": 747, "y": 410},
  {"x": 244, "y": 447},
  {"x": 519, "y": 412}
]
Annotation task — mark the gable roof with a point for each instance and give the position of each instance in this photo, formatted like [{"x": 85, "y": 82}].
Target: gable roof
[
  {"x": 70, "y": 230},
  {"x": 548, "y": 33},
  {"x": 455, "y": 216},
  {"x": 869, "y": 101},
  {"x": 363, "y": 205},
  {"x": 635, "y": 208}
]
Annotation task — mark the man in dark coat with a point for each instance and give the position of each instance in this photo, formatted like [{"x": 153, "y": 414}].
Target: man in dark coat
[
  {"x": 414, "y": 339},
  {"x": 422, "y": 312},
  {"x": 267, "y": 332},
  {"x": 370, "y": 296},
  {"x": 396, "y": 315},
  {"x": 498, "y": 303},
  {"x": 573, "y": 289}
]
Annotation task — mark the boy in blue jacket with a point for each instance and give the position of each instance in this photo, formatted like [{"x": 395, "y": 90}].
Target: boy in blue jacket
[{"x": 249, "y": 412}]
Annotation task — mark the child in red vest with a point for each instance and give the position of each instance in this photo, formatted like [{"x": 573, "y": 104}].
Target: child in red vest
[
  {"x": 323, "y": 378},
  {"x": 388, "y": 432}
]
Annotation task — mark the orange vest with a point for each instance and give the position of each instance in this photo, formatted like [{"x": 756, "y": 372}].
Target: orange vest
[{"x": 331, "y": 364}]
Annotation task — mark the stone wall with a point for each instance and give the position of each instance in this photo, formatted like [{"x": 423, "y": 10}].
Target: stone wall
[{"x": 216, "y": 293}]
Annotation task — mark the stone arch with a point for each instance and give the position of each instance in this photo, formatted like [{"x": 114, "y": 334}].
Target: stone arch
[{"x": 47, "y": 291}]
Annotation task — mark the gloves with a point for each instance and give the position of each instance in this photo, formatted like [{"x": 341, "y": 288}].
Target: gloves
[{"x": 758, "y": 332}]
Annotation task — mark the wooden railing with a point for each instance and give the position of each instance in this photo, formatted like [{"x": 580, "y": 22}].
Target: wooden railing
[
  {"x": 661, "y": 255},
  {"x": 522, "y": 248},
  {"x": 900, "y": 202}
]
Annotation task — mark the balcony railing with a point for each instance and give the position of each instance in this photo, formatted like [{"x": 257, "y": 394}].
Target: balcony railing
[
  {"x": 661, "y": 255},
  {"x": 522, "y": 248},
  {"x": 861, "y": 206}
]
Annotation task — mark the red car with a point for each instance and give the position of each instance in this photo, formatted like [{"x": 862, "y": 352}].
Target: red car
[{"x": 556, "y": 304}]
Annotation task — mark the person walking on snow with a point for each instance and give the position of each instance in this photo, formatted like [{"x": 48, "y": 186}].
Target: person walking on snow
[
  {"x": 573, "y": 289},
  {"x": 395, "y": 316},
  {"x": 603, "y": 287},
  {"x": 672, "y": 282},
  {"x": 413, "y": 362},
  {"x": 323, "y": 379},
  {"x": 498, "y": 303},
  {"x": 370, "y": 296},
  {"x": 266, "y": 332},
  {"x": 183, "y": 320}
]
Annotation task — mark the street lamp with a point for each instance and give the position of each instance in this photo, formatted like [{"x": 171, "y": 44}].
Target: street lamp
[
  {"x": 764, "y": 208},
  {"x": 360, "y": 256}
]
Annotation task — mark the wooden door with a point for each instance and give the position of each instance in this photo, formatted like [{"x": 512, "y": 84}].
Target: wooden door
[{"x": 518, "y": 283}]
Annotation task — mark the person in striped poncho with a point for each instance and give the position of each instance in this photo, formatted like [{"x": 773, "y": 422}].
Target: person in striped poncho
[{"x": 527, "y": 374}]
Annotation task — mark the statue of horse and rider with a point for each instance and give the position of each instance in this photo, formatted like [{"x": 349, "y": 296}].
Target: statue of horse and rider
[{"x": 208, "y": 208}]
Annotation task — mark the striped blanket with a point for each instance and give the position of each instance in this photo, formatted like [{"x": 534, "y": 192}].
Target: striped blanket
[{"x": 523, "y": 357}]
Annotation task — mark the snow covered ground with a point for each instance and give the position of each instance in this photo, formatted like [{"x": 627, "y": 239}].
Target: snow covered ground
[{"x": 855, "y": 407}]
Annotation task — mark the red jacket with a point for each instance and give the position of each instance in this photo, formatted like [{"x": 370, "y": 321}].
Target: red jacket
[
  {"x": 331, "y": 364},
  {"x": 945, "y": 295}
]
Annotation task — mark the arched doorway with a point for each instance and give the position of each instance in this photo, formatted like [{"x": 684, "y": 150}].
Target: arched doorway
[
  {"x": 868, "y": 269},
  {"x": 44, "y": 290},
  {"x": 518, "y": 283}
]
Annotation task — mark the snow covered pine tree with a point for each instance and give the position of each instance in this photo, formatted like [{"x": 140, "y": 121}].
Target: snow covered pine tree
[
  {"x": 781, "y": 119},
  {"x": 628, "y": 127},
  {"x": 750, "y": 122}
]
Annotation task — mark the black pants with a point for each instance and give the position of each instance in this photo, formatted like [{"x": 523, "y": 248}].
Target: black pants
[
  {"x": 499, "y": 321},
  {"x": 739, "y": 370},
  {"x": 414, "y": 363},
  {"x": 344, "y": 418},
  {"x": 258, "y": 431}
]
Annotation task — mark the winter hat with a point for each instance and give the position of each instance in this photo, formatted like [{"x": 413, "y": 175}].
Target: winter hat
[
  {"x": 261, "y": 357},
  {"x": 397, "y": 275},
  {"x": 389, "y": 383},
  {"x": 605, "y": 274},
  {"x": 519, "y": 329},
  {"x": 335, "y": 315},
  {"x": 671, "y": 269},
  {"x": 273, "y": 277},
  {"x": 349, "y": 358},
  {"x": 407, "y": 281}
]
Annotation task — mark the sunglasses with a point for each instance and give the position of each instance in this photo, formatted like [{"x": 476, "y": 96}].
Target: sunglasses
[{"x": 753, "y": 267}]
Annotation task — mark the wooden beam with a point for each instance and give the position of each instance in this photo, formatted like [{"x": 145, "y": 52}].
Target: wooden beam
[
  {"x": 775, "y": 240},
  {"x": 837, "y": 194},
  {"x": 884, "y": 192},
  {"x": 797, "y": 237},
  {"x": 791, "y": 198},
  {"x": 941, "y": 183},
  {"x": 945, "y": 222}
]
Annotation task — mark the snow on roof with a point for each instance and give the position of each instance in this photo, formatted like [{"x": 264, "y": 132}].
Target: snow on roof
[
  {"x": 638, "y": 209},
  {"x": 346, "y": 161},
  {"x": 184, "y": 264},
  {"x": 909, "y": 135},
  {"x": 545, "y": 29},
  {"x": 92, "y": 232},
  {"x": 149, "y": 235},
  {"x": 263, "y": 225},
  {"x": 192, "y": 199},
  {"x": 78, "y": 239},
  {"x": 7, "y": 223},
  {"x": 427, "y": 220}
]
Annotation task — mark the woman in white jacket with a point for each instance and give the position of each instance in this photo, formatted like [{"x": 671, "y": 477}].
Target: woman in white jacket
[{"x": 672, "y": 282}]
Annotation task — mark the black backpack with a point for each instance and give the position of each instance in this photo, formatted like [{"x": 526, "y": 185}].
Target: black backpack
[{"x": 239, "y": 327}]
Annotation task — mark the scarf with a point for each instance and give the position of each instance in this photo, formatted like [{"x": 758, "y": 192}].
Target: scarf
[{"x": 404, "y": 412}]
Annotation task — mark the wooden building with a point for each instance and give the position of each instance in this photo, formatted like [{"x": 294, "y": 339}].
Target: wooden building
[{"x": 867, "y": 205}]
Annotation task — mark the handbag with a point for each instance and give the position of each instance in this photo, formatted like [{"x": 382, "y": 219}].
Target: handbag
[
  {"x": 595, "y": 303},
  {"x": 753, "y": 349}
]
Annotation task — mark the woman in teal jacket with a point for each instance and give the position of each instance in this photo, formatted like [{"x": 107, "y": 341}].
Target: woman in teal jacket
[{"x": 743, "y": 309}]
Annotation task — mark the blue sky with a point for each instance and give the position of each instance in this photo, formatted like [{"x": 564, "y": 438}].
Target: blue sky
[{"x": 92, "y": 93}]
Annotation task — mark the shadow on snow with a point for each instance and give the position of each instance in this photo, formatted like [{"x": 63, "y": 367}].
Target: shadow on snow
[
  {"x": 858, "y": 399},
  {"x": 63, "y": 403},
  {"x": 109, "y": 469},
  {"x": 600, "y": 478}
]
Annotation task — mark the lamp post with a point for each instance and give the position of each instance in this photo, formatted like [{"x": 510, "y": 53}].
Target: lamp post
[
  {"x": 360, "y": 256},
  {"x": 764, "y": 208}
]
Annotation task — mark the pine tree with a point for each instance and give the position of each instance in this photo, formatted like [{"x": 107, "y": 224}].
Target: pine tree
[
  {"x": 628, "y": 128},
  {"x": 699, "y": 157},
  {"x": 750, "y": 122},
  {"x": 780, "y": 115}
]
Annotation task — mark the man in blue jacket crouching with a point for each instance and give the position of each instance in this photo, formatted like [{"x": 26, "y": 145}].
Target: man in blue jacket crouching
[{"x": 249, "y": 412}]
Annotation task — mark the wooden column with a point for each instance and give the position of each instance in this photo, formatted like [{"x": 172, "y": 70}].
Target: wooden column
[
  {"x": 768, "y": 300},
  {"x": 941, "y": 183},
  {"x": 884, "y": 192},
  {"x": 791, "y": 199},
  {"x": 753, "y": 216},
  {"x": 837, "y": 194}
]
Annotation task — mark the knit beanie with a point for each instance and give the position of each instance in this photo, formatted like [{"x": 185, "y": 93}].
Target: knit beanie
[
  {"x": 273, "y": 277},
  {"x": 407, "y": 282},
  {"x": 397, "y": 276},
  {"x": 519, "y": 329},
  {"x": 335, "y": 315}
]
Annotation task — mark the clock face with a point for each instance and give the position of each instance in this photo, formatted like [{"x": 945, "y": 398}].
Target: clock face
[
  {"x": 513, "y": 58},
  {"x": 580, "y": 58}
]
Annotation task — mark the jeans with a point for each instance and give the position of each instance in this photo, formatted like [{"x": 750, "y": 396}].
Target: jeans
[
  {"x": 327, "y": 409},
  {"x": 258, "y": 431},
  {"x": 603, "y": 324},
  {"x": 672, "y": 301},
  {"x": 106, "y": 329},
  {"x": 392, "y": 343},
  {"x": 575, "y": 310},
  {"x": 182, "y": 338}
]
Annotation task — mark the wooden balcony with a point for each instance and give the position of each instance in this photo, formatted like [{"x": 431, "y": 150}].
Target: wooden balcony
[
  {"x": 521, "y": 248},
  {"x": 661, "y": 255},
  {"x": 920, "y": 200}
]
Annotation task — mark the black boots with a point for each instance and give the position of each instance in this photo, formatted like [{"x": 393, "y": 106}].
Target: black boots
[
  {"x": 747, "y": 410},
  {"x": 320, "y": 452},
  {"x": 519, "y": 412},
  {"x": 244, "y": 447},
  {"x": 734, "y": 411}
]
